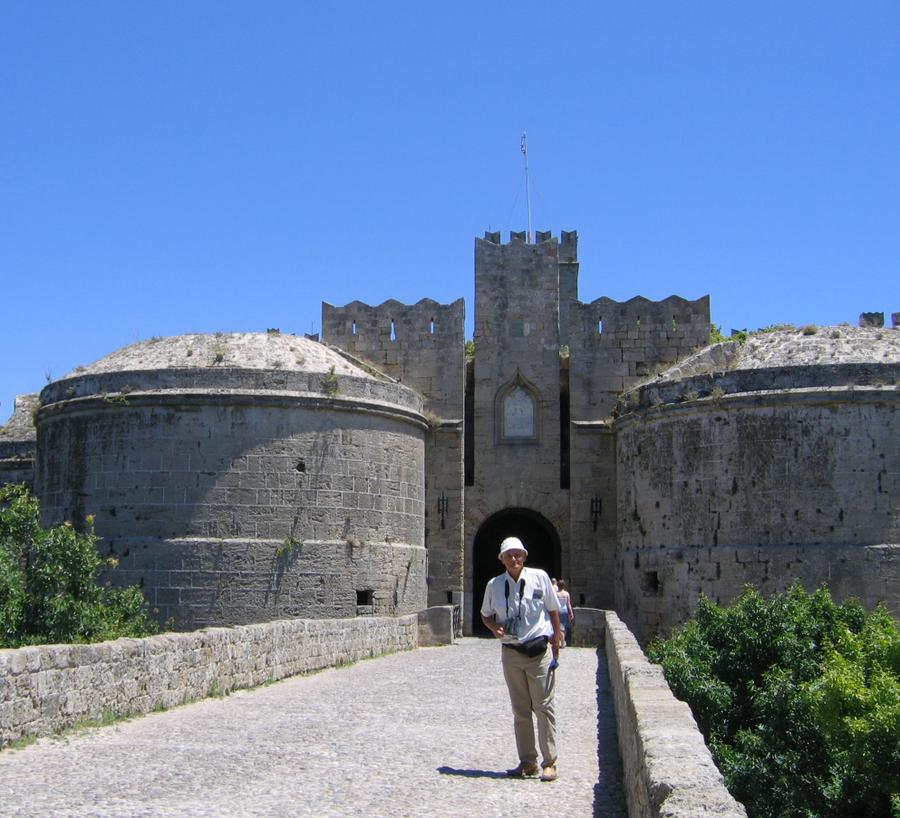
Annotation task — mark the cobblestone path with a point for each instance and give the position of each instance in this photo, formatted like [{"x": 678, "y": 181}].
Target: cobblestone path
[{"x": 423, "y": 733}]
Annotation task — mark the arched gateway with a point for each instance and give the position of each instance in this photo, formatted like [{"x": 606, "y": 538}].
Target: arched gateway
[{"x": 535, "y": 531}]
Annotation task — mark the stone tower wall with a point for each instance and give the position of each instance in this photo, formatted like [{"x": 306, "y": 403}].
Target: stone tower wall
[
  {"x": 568, "y": 277},
  {"x": 763, "y": 488},
  {"x": 517, "y": 345},
  {"x": 280, "y": 495},
  {"x": 613, "y": 347},
  {"x": 423, "y": 346}
]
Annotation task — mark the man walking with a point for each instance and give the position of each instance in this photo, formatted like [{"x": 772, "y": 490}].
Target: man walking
[{"x": 521, "y": 609}]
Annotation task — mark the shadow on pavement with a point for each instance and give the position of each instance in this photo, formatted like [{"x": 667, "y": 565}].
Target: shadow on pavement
[
  {"x": 609, "y": 792},
  {"x": 472, "y": 773}
]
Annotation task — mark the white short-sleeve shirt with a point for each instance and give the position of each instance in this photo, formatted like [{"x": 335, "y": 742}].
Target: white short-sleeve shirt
[{"x": 526, "y": 604}]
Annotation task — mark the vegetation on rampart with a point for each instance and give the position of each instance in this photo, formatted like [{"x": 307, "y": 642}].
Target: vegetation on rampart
[
  {"x": 49, "y": 589},
  {"x": 716, "y": 336},
  {"x": 799, "y": 700}
]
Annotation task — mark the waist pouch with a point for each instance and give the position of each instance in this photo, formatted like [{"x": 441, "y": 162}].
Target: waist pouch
[{"x": 531, "y": 648}]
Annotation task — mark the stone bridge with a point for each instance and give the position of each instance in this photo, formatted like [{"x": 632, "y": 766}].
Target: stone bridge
[{"x": 421, "y": 732}]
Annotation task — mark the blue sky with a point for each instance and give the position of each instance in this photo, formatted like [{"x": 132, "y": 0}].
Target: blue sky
[{"x": 174, "y": 167}]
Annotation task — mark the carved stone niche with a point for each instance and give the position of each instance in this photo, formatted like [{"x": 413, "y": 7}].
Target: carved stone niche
[{"x": 516, "y": 416}]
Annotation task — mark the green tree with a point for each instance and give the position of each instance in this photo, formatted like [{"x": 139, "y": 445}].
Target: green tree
[
  {"x": 799, "y": 699},
  {"x": 49, "y": 589},
  {"x": 856, "y": 704}
]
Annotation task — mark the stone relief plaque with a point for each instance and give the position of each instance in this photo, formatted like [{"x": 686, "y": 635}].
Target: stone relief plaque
[{"x": 518, "y": 414}]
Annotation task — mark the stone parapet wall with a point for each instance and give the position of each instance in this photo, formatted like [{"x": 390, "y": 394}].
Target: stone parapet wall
[
  {"x": 233, "y": 386},
  {"x": 421, "y": 344},
  {"x": 668, "y": 769},
  {"x": 817, "y": 382},
  {"x": 589, "y": 628},
  {"x": 616, "y": 345},
  {"x": 47, "y": 688}
]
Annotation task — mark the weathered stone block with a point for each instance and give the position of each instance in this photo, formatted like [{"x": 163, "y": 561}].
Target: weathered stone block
[{"x": 435, "y": 626}]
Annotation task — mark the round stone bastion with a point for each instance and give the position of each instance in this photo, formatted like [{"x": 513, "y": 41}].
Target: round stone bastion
[
  {"x": 240, "y": 478},
  {"x": 768, "y": 463}
]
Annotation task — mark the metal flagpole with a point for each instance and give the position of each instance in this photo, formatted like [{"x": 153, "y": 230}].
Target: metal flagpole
[{"x": 529, "y": 235}]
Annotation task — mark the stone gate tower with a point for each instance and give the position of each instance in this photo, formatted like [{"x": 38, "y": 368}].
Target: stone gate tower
[
  {"x": 517, "y": 471},
  {"x": 520, "y": 439}
]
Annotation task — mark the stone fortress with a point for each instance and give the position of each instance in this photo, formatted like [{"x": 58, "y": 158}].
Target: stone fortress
[{"x": 241, "y": 478}]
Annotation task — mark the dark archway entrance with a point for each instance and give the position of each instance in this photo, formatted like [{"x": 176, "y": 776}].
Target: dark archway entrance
[{"x": 533, "y": 529}]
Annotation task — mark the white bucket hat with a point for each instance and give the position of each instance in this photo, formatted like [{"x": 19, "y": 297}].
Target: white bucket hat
[{"x": 512, "y": 544}]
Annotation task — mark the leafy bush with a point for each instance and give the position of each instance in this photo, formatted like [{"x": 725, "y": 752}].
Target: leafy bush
[
  {"x": 716, "y": 337},
  {"x": 48, "y": 582},
  {"x": 799, "y": 700}
]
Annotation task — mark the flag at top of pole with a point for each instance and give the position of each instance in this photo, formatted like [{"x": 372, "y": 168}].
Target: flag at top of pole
[{"x": 524, "y": 147}]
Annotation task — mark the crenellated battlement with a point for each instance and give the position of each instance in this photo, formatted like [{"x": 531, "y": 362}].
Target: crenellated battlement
[
  {"x": 876, "y": 319},
  {"x": 359, "y": 323},
  {"x": 567, "y": 238},
  {"x": 616, "y": 344},
  {"x": 420, "y": 344},
  {"x": 676, "y": 316},
  {"x": 548, "y": 263}
]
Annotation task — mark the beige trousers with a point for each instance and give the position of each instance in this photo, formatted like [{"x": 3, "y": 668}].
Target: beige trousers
[{"x": 531, "y": 685}]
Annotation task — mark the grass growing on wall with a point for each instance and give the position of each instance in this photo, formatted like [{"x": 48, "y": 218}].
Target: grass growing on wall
[
  {"x": 49, "y": 589},
  {"x": 799, "y": 700}
]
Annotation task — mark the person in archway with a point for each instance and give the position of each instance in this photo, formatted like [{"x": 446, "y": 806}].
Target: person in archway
[
  {"x": 521, "y": 609},
  {"x": 566, "y": 612}
]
